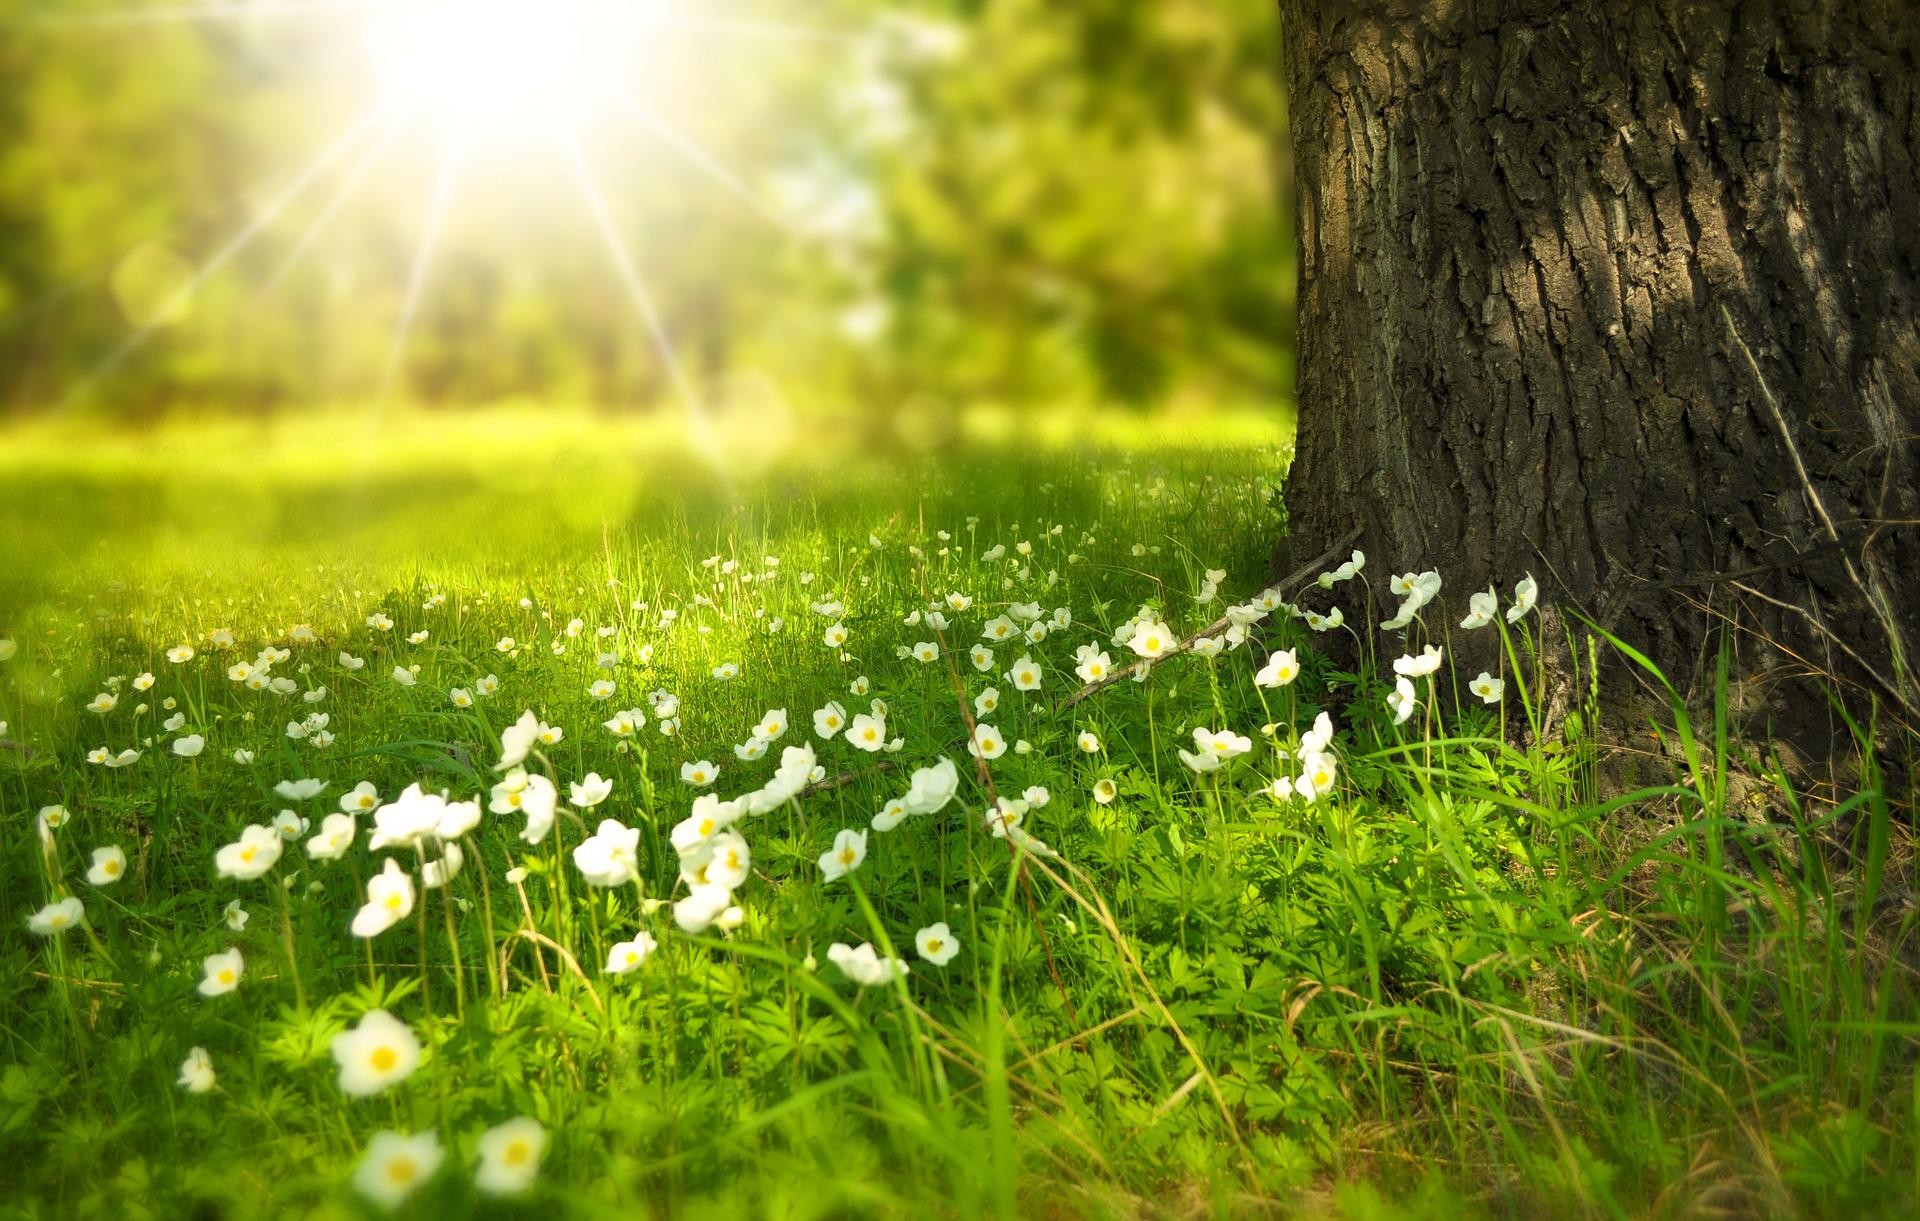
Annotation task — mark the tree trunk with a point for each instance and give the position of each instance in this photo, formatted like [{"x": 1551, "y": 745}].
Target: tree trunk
[{"x": 1624, "y": 294}]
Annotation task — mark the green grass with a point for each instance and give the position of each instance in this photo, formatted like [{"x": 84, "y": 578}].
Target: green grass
[{"x": 1470, "y": 980}]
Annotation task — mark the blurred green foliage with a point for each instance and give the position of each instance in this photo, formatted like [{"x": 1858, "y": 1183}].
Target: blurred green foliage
[{"x": 1018, "y": 201}]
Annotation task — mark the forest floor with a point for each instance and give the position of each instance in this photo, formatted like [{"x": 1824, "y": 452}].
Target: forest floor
[{"x": 694, "y": 951}]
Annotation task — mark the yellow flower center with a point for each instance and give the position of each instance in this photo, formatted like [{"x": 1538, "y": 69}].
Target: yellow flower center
[
  {"x": 706, "y": 828},
  {"x": 846, "y": 857},
  {"x": 516, "y": 1153},
  {"x": 110, "y": 868},
  {"x": 393, "y": 901},
  {"x": 247, "y": 853},
  {"x": 402, "y": 1170},
  {"x": 383, "y": 1059},
  {"x": 934, "y": 944},
  {"x": 226, "y": 976}
]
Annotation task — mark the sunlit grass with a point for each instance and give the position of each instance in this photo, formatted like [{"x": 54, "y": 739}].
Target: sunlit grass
[{"x": 1466, "y": 979}]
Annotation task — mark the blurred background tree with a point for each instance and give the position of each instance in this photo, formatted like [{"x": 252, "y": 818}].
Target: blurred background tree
[{"x": 1016, "y": 201}]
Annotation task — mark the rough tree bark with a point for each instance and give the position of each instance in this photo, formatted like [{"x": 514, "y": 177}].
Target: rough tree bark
[{"x": 1625, "y": 294}]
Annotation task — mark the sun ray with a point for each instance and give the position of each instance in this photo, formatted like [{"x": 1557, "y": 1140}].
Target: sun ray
[
  {"x": 643, "y": 300},
  {"x": 422, "y": 262},
  {"x": 686, "y": 147},
  {"x": 229, "y": 250},
  {"x": 348, "y": 187}
]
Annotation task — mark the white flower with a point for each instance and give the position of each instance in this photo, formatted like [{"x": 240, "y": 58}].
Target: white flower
[
  {"x": 702, "y": 906},
  {"x": 361, "y": 798},
  {"x": 1317, "y": 775},
  {"x": 1094, "y": 665},
  {"x": 394, "y": 1165},
  {"x": 1281, "y": 668},
  {"x": 835, "y": 636},
  {"x": 1319, "y": 738},
  {"x": 1224, "y": 745},
  {"x": 864, "y": 966},
  {"x": 699, "y": 773},
  {"x": 1525, "y": 593},
  {"x": 986, "y": 742},
  {"x": 196, "y": 1071},
  {"x": 589, "y": 791},
  {"x": 407, "y": 819},
  {"x": 1346, "y": 571},
  {"x": 729, "y": 861},
  {"x": 460, "y": 697},
  {"x": 435, "y": 874},
  {"x": 849, "y": 849},
  {"x": 389, "y": 901},
  {"x": 300, "y": 790},
  {"x": 602, "y": 689},
  {"x": 1151, "y": 639},
  {"x": 1025, "y": 675},
  {"x": 1104, "y": 791},
  {"x": 243, "y": 757},
  {"x": 379, "y": 1052},
  {"x": 1481, "y": 608},
  {"x": 1402, "y": 700},
  {"x": 510, "y": 1154},
  {"x": 726, "y": 671},
  {"x": 931, "y": 788},
  {"x": 1487, "y": 687},
  {"x": 986, "y": 702},
  {"x": 188, "y": 746},
  {"x": 57, "y": 917},
  {"x": 336, "y": 836},
  {"x": 180, "y": 654},
  {"x": 404, "y": 676},
  {"x": 936, "y": 944},
  {"x": 750, "y": 750},
  {"x": 516, "y": 740},
  {"x": 102, "y": 703},
  {"x": 890, "y": 816},
  {"x": 771, "y": 726},
  {"x": 868, "y": 732},
  {"x": 610, "y": 857},
  {"x": 223, "y": 973},
  {"x": 829, "y": 721},
  {"x": 251, "y": 855},
  {"x": 625, "y": 956},
  {"x": 236, "y": 916},
  {"x": 109, "y": 866},
  {"x": 1419, "y": 667}
]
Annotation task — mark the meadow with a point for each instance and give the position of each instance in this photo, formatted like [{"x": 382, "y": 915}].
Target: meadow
[{"x": 516, "y": 814}]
